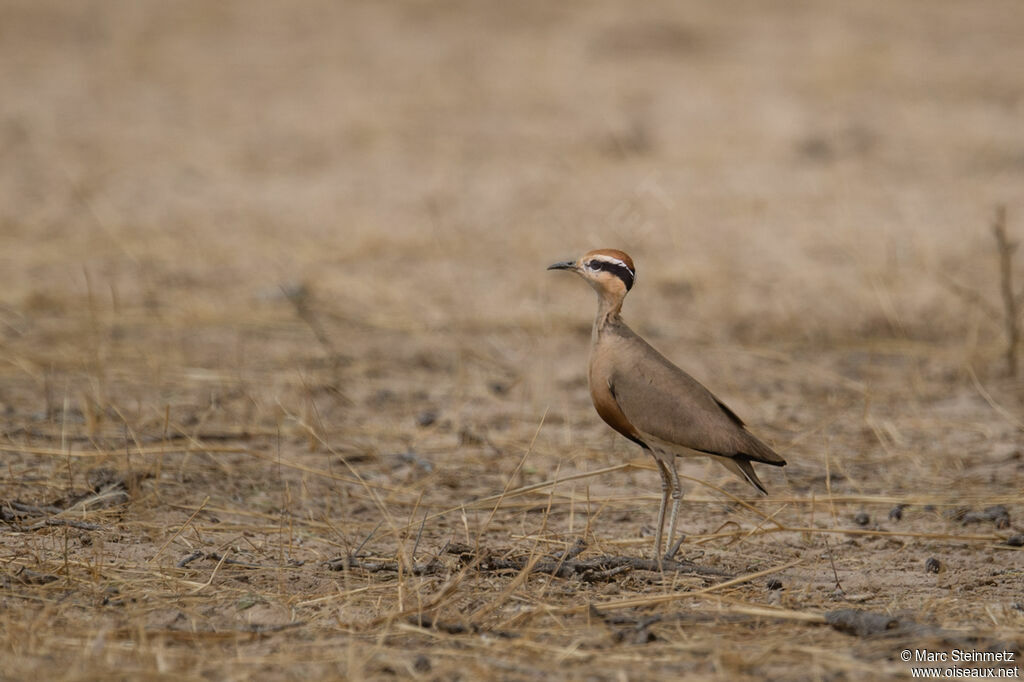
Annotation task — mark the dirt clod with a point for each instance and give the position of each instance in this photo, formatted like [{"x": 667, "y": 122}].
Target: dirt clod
[
  {"x": 426, "y": 418},
  {"x": 996, "y": 514},
  {"x": 860, "y": 623}
]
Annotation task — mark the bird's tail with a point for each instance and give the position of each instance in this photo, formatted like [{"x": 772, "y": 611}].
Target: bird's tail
[
  {"x": 742, "y": 468},
  {"x": 740, "y": 464},
  {"x": 759, "y": 452}
]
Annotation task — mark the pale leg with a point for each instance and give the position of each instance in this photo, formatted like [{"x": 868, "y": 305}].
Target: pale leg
[
  {"x": 677, "y": 495},
  {"x": 666, "y": 484}
]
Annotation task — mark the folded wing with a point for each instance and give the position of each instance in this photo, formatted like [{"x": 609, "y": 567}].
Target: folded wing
[{"x": 663, "y": 401}]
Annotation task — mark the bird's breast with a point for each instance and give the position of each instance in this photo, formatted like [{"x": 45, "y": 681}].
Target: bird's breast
[{"x": 602, "y": 393}]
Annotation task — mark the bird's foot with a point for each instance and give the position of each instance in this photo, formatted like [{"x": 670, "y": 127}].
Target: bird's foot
[{"x": 670, "y": 555}]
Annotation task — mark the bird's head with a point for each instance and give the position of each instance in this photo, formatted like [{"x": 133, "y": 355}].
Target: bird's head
[{"x": 609, "y": 271}]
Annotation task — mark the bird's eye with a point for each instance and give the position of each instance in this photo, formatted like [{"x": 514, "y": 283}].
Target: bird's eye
[{"x": 591, "y": 265}]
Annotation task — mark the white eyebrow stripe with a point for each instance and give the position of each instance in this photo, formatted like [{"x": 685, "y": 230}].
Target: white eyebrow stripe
[{"x": 614, "y": 261}]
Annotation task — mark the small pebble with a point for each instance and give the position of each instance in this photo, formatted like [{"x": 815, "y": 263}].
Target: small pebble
[
  {"x": 896, "y": 513},
  {"x": 421, "y": 664},
  {"x": 932, "y": 565},
  {"x": 426, "y": 418},
  {"x": 999, "y": 515},
  {"x": 1016, "y": 540},
  {"x": 862, "y": 519},
  {"x": 774, "y": 584}
]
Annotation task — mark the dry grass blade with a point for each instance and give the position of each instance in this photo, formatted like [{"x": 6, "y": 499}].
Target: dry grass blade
[
  {"x": 764, "y": 612},
  {"x": 653, "y": 600},
  {"x": 484, "y": 502},
  {"x": 1002, "y": 411},
  {"x": 1011, "y": 303},
  {"x": 180, "y": 530},
  {"x": 508, "y": 483}
]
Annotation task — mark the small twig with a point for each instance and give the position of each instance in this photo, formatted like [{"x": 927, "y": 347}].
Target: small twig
[
  {"x": 603, "y": 576},
  {"x": 216, "y": 556},
  {"x": 1002, "y": 411},
  {"x": 419, "y": 535},
  {"x": 264, "y": 628},
  {"x": 29, "y": 577},
  {"x": 1011, "y": 316},
  {"x": 420, "y": 620},
  {"x": 432, "y": 567},
  {"x": 198, "y": 554},
  {"x": 109, "y": 496},
  {"x": 33, "y": 509},
  {"x": 83, "y": 525},
  {"x": 363, "y": 543},
  {"x": 571, "y": 553},
  {"x": 180, "y": 530},
  {"x": 242, "y": 435},
  {"x": 209, "y": 582},
  {"x": 592, "y": 569},
  {"x": 835, "y": 573},
  {"x": 647, "y": 601},
  {"x": 235, "y": 562}
]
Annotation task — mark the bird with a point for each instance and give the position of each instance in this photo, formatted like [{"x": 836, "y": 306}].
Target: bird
[{"x": 645, "y": 397}]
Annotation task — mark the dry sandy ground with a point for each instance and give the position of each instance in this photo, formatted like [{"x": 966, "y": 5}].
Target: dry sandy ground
[{"x": 273, "y": 294}]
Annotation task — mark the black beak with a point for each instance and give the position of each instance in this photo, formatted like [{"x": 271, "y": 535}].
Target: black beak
[{"x": 563, "y": 265}]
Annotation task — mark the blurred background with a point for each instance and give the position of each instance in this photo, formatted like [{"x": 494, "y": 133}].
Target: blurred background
[
  {"x": 203, "y": 204},
  {"x": 777, "y": 169}
]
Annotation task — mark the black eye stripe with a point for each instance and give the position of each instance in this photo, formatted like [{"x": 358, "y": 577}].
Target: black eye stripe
[{"x": 617, "y": 269}]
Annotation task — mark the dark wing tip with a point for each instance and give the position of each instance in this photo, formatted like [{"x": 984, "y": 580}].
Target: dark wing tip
[
  {"x": 753, "y": 448},
  {"x": 748, "y": 473}
]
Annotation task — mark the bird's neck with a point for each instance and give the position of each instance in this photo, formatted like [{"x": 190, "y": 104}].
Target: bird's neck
[{"x": 608, "y": 308}]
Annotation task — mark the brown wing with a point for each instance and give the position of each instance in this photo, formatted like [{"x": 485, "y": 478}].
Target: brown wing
[{"x": 662, "y": 400}]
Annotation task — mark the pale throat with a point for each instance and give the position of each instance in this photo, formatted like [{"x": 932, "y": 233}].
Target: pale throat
[{"x": 609, "y": 305}]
